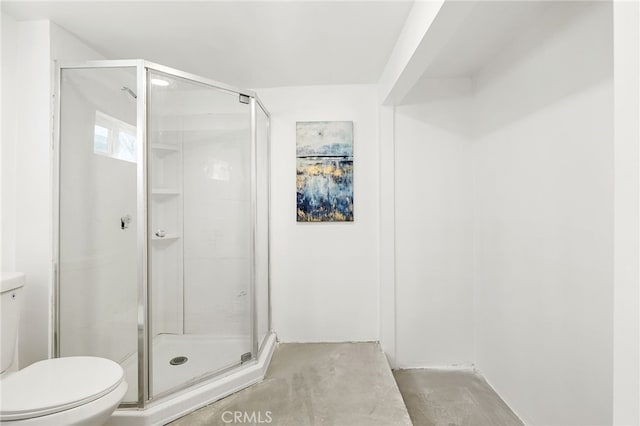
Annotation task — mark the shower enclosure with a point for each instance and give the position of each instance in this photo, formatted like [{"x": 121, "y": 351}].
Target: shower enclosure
[{"x": 162, "y": 226}]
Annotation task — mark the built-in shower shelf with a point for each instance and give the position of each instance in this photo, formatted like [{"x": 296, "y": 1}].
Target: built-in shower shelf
[
  {"x": 164, "y": 148},
  {"x": 165, "y": 191},
  {"x": 166, "y": 237}
]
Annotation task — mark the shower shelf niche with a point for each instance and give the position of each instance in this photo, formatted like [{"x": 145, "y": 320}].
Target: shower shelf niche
[
  {"x": 163, "y": 149},
  {"x": 169, "y": 236},
  {"x": 166, "y": 237},
  {"x": 165, "y": 191}
]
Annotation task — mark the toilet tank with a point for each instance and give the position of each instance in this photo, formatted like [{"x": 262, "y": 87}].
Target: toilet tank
[{"x": 10, "y": 299}]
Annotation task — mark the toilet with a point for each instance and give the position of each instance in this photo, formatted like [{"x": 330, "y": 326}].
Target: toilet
[{"x": 61, "y": 391}]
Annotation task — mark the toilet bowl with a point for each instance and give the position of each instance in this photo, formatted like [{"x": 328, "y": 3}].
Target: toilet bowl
[{"x": 61, "y": 391}]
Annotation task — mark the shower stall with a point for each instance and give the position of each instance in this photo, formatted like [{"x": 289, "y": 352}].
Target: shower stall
[{"x": 162, "y": 228}]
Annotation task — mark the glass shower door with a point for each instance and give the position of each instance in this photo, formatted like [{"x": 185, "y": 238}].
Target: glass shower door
[
  {"x": 200, "y": 222},
  {"x": 97, "y": 252}
]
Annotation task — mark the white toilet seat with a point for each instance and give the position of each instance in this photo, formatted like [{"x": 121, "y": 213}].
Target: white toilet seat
[{"x": 56, "y": 385}]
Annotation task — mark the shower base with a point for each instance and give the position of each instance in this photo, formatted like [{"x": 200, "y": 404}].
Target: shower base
[{"x": 204, "y": 353}]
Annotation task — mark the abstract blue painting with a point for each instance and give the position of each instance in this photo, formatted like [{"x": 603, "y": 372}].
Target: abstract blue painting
[{"x": 324, "y": 169}]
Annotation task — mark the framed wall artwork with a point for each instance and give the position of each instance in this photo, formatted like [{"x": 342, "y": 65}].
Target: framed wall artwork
[{"x": 324, "y": 171}]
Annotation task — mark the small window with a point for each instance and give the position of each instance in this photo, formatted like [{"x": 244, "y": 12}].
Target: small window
[
  {"x": 101, "y": 140},
  {"x": 114, "y": 138}
]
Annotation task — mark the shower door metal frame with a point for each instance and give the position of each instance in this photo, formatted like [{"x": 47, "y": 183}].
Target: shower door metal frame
[
  {"x": 143, "y": 230},
  {"x": 260, "y": 105},
  {"x": 141, "y": 214}
]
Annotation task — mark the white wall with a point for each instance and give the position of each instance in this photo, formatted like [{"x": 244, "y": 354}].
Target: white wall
[
  {"x": 324, "y": 276},
  {"x": 543, "y": 218},
  {"x": 434, "y": 287},
  {"x": 33, "y": 187},
  {"x": 519, "y": 168},
  {"x": 8, "y": 123},
  {"x": 28, "y": 49}
]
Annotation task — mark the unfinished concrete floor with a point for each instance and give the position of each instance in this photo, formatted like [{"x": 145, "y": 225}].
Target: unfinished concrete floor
[
  {"x": 338, "y": 384},
  {"x": 452, "y": 398}
]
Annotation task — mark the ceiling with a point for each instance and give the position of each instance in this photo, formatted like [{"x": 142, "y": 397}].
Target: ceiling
[
  {"x": 486, "y": 30},
  {"x": 246, "y": 44}
]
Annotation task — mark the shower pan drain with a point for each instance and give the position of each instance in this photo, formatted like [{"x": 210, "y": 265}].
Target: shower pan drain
[{"x": 179, "y": 360}]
